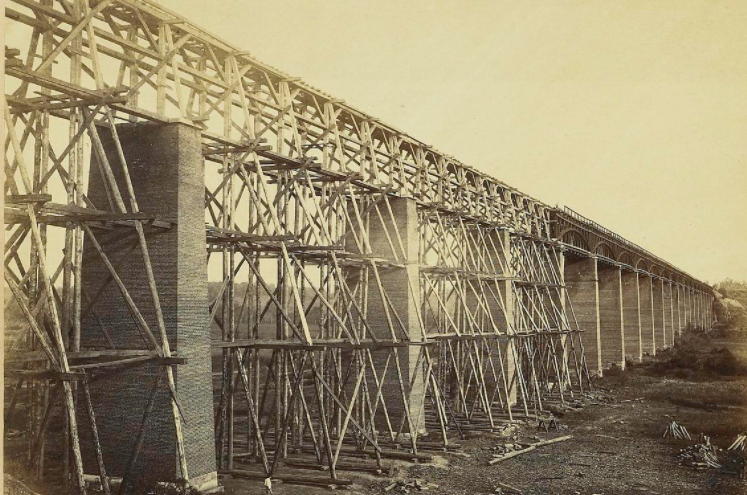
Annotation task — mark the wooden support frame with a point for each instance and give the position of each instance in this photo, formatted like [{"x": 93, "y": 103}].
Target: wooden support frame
[{"x": 303, "y": 177}]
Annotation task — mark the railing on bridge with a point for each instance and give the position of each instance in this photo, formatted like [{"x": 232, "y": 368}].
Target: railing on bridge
[{"x": 625, "y": 243}]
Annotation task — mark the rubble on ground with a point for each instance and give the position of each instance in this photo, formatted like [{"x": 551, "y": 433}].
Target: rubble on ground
[
  {"x": 407, "y": 486},
  {"x": 702, "y": 455},
  {"x": 598, "y": 396},
  {"x": 507, "y": 448},
  {"x": 505, "y": 489}
]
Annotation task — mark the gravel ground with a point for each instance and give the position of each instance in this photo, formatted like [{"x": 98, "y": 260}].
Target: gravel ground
[{"x": 617, "y": 448}]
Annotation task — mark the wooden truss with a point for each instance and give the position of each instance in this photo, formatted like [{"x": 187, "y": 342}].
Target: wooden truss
[{"x": 295, "y": 181}]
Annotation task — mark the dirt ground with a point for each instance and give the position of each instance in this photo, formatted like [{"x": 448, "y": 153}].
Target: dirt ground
[{"x": 617, "y": 445}]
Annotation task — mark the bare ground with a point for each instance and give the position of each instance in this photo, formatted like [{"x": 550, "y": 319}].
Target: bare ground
[{"x": 617, "y": 445}]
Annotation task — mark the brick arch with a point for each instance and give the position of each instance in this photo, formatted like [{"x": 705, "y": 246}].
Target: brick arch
[
  {"x": 641, "y": 264},
  {"x": 604, "y": 249},
  {"x": 574, "y": 238},
  {"x": 626, "y": 258}
]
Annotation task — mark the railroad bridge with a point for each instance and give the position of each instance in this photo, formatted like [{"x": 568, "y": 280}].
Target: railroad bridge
[{"x": 217, "y": 268}]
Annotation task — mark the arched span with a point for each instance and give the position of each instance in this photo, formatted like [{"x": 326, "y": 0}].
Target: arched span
[
  {"x": 604, "y": 249},
  {"x": 626, "y": 258},
  {"x": 641, "y": 264},
  {"x": 574, "y": 238}
]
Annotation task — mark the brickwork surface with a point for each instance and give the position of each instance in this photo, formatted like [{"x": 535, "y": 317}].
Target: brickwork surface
[
  {"x": 669, "y": 312},
  {"x": 647, "y": 313},
  {"x": 611, "y": 315},
  {"x": 166, "y": 167},
  {"x": 659, "y": 320},
  {"x": 399, "y": 283},
  {"x": 680, "y": 308},
  {"x": 583, "y": 291},
  {"x": 631, "y": 315}
]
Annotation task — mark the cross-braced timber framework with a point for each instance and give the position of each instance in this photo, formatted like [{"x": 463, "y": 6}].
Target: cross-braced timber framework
[{"x": 299, "y": 178}]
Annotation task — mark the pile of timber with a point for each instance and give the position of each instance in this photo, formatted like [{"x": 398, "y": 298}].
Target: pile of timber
[
  {"x": 739, "y": 443},
  {"x": 507, "y": 448},
  {"x": 560, "y": 408},
  {"x": 402, "y": 448},
  {"x": 296, "y": 479},
  {"x": 700, "y": 455},
  {"x": 346, "y": 464},
  {"x": 500, "y": 457},
  {"x": 677, "y": 431},
  {"x": 407, "y": 486}
]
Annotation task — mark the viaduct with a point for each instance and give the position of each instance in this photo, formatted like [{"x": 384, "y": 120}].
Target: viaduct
[{"x": 371, "y": 297}]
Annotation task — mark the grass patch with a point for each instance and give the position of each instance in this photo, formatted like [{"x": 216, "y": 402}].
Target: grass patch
[
  {"x": 695, "y": 357},
  {"x": 700, "y": 372},
  {"x": 700, "y": 394}
]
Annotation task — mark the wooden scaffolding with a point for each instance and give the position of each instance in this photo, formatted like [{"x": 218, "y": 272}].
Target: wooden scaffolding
[{"x": 317, "y": 363}]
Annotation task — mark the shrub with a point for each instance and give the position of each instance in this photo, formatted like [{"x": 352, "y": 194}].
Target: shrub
[{"x": 723, "y": 362}]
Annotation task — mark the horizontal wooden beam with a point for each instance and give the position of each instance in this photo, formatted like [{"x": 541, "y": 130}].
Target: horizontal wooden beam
[
  {"x": 27, "y": 198},
  {"x": 317, "y": 345}
]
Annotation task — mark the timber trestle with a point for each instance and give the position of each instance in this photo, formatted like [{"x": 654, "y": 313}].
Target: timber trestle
[{"x": 371, "y": 298}]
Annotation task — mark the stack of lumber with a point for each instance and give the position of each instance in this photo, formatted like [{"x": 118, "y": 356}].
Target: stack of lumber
[
  {"x": 700, "y": 455},
  {"x": 407, "y": 486},
  {"x": 509, "y": 452},
  {"x": 507, "y": 448},
  {"x": 676, "y": 431},
  {"x": 739, "y": 443}
]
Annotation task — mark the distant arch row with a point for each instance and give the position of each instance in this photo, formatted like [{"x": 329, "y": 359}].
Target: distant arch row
[{"x": 602, "y": 248}]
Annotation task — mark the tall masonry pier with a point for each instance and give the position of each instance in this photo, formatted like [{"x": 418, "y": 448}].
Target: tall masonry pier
[
  {"x": 166, "y": 169},
  {"x": 628, "y": 302}
]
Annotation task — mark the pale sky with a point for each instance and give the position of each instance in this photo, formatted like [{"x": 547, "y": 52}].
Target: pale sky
[{"x": 633, "y": 113}]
